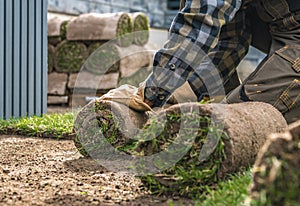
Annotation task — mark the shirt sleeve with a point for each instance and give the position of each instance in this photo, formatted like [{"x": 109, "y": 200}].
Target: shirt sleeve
[
  {"x": 193, "y": 34},
  {"x": 219, "y": 67}
]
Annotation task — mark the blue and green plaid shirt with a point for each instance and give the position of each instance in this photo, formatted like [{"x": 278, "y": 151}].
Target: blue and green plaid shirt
[{"x": 207, "y": 40}]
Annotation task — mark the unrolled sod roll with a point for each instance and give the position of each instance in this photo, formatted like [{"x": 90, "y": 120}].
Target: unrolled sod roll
[
  {"x": 140, "y": 28},
  {"x": 218, "y": 140},
  {"x": 276, "y": 174},
  {"x": 108, "y": 26},
  {"x": 181, "y": 149},
  {"x": 70, "y": 56}
]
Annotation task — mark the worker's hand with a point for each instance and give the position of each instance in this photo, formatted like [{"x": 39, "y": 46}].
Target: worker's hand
[{"x": 130, "y": 96}]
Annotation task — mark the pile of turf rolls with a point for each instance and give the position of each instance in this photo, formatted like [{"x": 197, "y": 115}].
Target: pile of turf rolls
[{"x": 72, "y": 36}]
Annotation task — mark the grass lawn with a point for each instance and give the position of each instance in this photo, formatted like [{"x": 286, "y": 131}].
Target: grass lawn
[
  {"x": 54, "y": 125},
  {"x": 232, "y": 192}
]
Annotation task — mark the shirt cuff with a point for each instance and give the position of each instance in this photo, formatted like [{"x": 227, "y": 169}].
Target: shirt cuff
[{"x": 157, "y": 96}]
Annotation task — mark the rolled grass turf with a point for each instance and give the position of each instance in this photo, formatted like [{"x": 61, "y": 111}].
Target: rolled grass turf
[
  {"x": 93, "y": 46},
  {"x": 228, "y": 139},
  {"x": 63, "y": 29},
  {"x": 115, "y": 121},
  {"x": 70, "y": 56},
  {"x": 140, "y": 28},
  {"x": 187, "y": 146},
  {"x": 57, "y": 29},
  {"x": 51, "y": 53},
  {"x": 103, "y": 58},
  {"x": 276, "y": 174},
  {"x": 108, "y": 26}
]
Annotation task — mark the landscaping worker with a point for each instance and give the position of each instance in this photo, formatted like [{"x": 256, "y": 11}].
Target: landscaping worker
[{"x": 209, "y": 35}]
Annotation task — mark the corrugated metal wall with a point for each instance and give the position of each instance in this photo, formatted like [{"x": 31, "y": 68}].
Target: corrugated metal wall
[{"x": 23, "y": 58}]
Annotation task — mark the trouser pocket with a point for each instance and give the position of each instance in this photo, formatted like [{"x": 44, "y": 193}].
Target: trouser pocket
[
  {"x": 290, "y": 97},
  {"x": 276, "y": 81}
]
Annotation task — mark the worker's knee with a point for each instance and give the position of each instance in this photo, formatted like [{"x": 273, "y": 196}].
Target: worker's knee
[{"x": 276, "y": 81}]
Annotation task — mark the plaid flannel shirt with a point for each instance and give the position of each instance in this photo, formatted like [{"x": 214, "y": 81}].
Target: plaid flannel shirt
[{"x": 207, "y": 40}]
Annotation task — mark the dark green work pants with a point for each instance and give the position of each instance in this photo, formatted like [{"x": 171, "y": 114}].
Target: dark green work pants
[{"x": 276, "y": 31}]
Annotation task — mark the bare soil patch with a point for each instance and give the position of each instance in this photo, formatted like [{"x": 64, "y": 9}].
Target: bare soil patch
[{"x": 35, "y": 171}]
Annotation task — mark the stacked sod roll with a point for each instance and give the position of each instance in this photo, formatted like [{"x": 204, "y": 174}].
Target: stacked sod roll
[
  {"x": 192, "y": 145},
  {"x": 103, "y": 45},
  {"x": 276, "y": 174},
  {"x": 69, "y": 56},
  {"x": 57, "y": 28},
  {"x": 107, "y": 26},
  {"x": 51, "y": 53},
  {"x": 140, "y": 28}
]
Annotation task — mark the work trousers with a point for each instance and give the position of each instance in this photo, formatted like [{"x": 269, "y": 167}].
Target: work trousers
[{"x": 276, "y": 80}]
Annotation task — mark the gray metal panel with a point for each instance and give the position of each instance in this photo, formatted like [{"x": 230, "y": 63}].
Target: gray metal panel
[
  {"x": 23, "y": 57},
  {"x": 8, "y": 67},
  {"x": 44, "y": 55},
  {"x": 16, "y": 58},
  {"x": 1, "y": 59},
  {"x": 31, "y": 57},
  {"x": 24, "y": 61},
  {"x": 38, "y": 57}
]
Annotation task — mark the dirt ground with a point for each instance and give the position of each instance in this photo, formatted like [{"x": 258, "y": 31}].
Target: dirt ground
[{"x": 37, "y": 171}]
